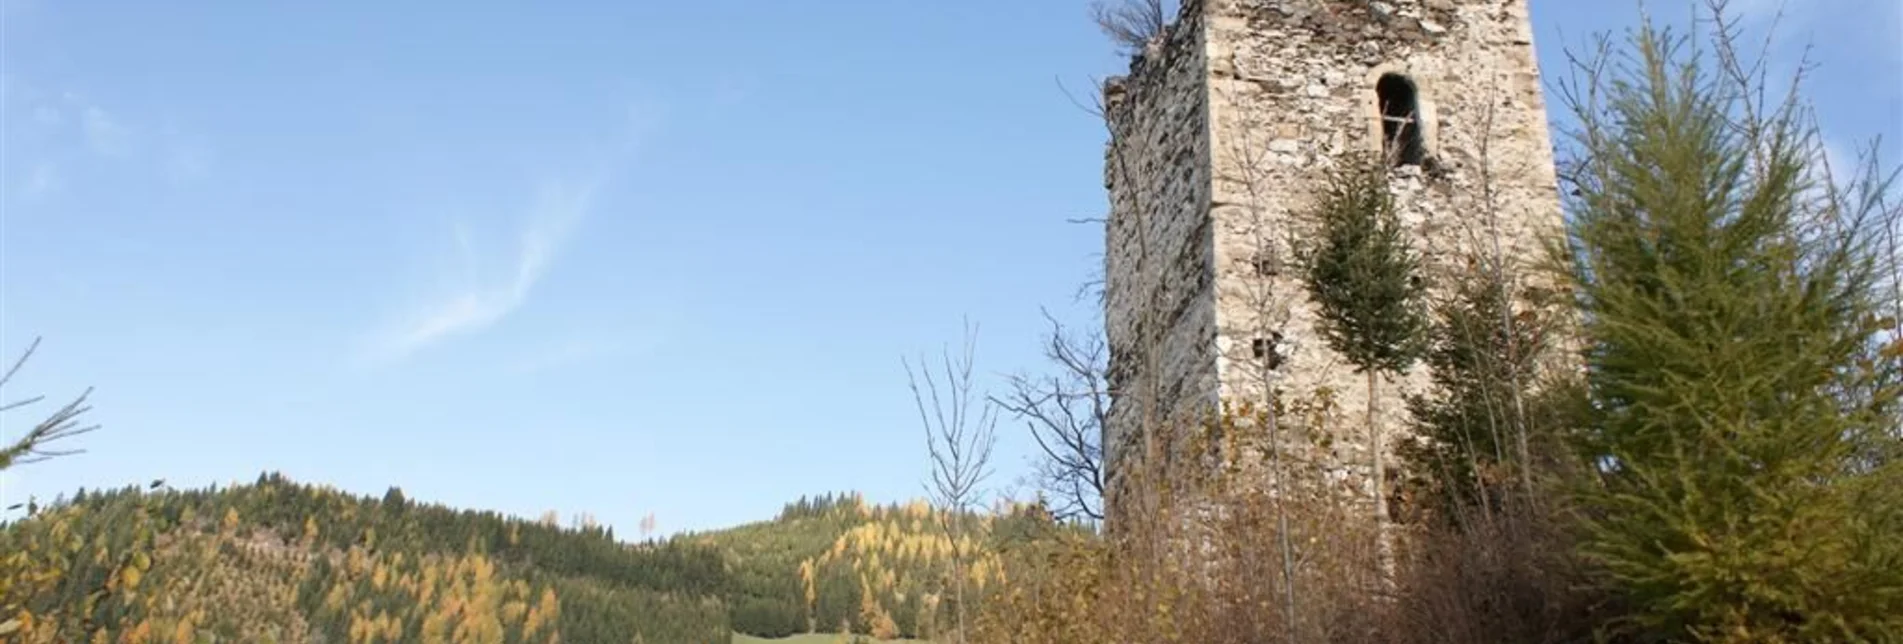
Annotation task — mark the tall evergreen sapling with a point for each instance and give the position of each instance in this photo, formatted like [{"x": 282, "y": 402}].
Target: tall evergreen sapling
[{"x": 1364, "y": 279}]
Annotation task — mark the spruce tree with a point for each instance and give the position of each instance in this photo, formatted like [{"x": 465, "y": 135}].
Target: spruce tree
[
  {"x": 1474, "y": 432},
  {"x": 1364, "y": 280},
  {"x": 1742, "y": 429}
]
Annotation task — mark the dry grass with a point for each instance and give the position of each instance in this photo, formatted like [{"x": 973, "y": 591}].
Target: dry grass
[
  {"x": 1197, "y": 558},
  {"x": 1202, "y": 562},
  {"x": 1506, "y": 577}
]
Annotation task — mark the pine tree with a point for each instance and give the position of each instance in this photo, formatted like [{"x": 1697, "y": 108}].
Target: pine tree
[{"x": 1743, "y": 423}]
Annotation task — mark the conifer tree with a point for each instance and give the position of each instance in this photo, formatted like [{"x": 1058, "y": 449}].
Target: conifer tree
[
  {"x": 1364, "y": 279},
  {"x": 1743, "y": 418},
  {"x": 1486, "y": 340}
]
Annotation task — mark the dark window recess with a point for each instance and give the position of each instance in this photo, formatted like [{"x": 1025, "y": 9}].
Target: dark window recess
[
  {"x": 1268, "y": 349},
  {"x": 1400, "y": 120}
]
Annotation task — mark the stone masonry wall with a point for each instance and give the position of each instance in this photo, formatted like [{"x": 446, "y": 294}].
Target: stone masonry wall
[
  {"x": 1220, "y": 134},
  {"x": 1160, "y": 317},
  {"x": 1292, "y": 95}
]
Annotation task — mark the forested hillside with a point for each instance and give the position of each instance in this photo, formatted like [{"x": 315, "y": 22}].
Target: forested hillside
[
  {"x": 279, "y": 561},
  {"x": 851, "y": 566}
]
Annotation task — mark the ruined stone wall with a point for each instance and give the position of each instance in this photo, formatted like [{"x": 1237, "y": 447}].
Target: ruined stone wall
[
  {"x": 1220, "y": 135},
  {"x": 1292, "y": 95},
  {"x": 1160, "y": 309}
]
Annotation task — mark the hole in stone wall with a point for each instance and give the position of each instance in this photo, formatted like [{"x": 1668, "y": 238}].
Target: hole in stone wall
[
  {"x": 1266, "y": 265},
  {"x": 1268, "y": 349},
  {"x": 1401, "y": 138}
]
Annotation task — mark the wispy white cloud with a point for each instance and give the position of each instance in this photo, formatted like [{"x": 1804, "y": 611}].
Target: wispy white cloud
[
  {"x": 479, "y": 300},
  {"x": 485, "y": 289}
]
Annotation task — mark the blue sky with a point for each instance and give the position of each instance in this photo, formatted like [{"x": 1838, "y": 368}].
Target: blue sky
[{"x": 606, "y": 257}]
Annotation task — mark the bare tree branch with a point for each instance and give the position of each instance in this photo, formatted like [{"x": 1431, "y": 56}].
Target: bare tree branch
[
  {"x": 62, "y": 424},
  {"x": 1130, "y": 23},
  {"x": 1065, "y": 411}
]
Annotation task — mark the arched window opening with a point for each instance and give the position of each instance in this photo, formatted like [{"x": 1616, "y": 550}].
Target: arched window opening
[{"x": 1401, "y": 138}]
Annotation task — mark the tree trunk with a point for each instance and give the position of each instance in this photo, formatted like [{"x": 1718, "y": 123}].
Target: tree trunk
[
  {"x": 1284, "y": 539},
  {"x": 1280, "y": 485},
  {"x": 1382, "y": 560}
]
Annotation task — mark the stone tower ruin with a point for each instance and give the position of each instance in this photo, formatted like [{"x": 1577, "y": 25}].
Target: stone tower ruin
[{"x": 1221, "y": 130}]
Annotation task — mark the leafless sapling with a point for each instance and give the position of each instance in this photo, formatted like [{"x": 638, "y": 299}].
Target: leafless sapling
[{"x": 960, "y": 431}]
